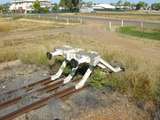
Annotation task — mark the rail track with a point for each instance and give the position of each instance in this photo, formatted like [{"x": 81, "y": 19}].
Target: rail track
[{"x": 33, "y": 96}]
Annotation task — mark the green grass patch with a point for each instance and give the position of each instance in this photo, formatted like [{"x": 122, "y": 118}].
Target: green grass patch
[
  {"x": 142, "y": 33},
  {"x": 135, "y": 84},
  {"x": 101, "y": 79}
]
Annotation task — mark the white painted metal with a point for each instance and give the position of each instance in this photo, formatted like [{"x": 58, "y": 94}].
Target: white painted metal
[
  {"x": 80, "y": 56},
  {"x": 70, "y": 76},
  {"x": 110, "y": 25},
  {"x": 60, "y": 71},
  {"x": 107, "y": 65},
  {"x": 122, "y": 23},
  {"x": 84, "y": 79}
]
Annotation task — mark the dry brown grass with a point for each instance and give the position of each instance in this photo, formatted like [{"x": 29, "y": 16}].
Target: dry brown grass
[
  {"x": 116, "y": 15},
  {"x": 117, "y": 112},
  {"x": 5, "y": 27},
  {"x": 139, "y": 80},
  {"x": 27, "y": 48}
]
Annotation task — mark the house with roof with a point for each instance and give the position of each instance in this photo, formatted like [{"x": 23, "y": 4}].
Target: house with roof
[
  {"x": 26, "y": 6},
  {"x": 102, "y": 7},
  {"x": 96, "y": 7}
]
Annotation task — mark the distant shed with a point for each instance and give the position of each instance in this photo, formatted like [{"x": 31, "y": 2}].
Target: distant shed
[
  {"x": 86, "y": 10},
  {"x": 103, "y": 7}
]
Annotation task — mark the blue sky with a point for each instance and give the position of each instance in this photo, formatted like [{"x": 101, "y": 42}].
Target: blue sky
[
  {"x": 97, "y": 1},
  {"x": 112, "y": 1}
]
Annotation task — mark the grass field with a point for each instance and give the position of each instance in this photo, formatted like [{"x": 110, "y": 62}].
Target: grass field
[
  {"x": 10, "y": 46},
  {"x": 29, "y": 40},
  {"x": 126, "y": 15},
  {"x": 153, "y": 34}
]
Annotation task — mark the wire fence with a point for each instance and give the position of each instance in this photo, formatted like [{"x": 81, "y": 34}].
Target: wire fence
[
  {"x": 140, "y": 24},
  {"x": 83, "y": 19},
  {"x": 58, "y": 18}
]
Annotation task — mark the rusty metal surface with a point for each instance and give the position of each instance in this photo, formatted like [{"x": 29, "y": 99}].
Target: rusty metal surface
[{"x": 35, "y": 96}]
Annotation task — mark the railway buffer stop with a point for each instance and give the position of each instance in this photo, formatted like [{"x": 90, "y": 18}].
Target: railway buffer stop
[{"x": 77, "y": 57}]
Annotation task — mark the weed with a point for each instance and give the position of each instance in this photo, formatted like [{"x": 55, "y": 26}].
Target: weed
[
  {"x": 100, "y": 80},
  {"x": 67, "y": 70}
]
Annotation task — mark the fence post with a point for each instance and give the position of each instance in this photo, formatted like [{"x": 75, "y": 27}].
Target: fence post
[
  {"x": 81, "y": 20},
  {"x": 110, "y": 25},
  {"x": 142, "y": 24},
  {"x": 122, "y": 23},
  {"x": 67, "y": 21},
  {"x": 142, "y": 27}
]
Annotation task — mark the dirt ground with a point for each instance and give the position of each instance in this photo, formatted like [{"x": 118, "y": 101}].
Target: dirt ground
[
  {"x": 89, "y": 104},
  {"x": 86, "y": 105}
]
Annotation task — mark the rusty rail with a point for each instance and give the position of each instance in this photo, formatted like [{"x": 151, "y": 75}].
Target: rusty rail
[
  {"x": 54, "y": 86},
  {"x": 28, "y": 87},
  {"x": 40, "y": 103},
  {"x": 48, "y": 86}
]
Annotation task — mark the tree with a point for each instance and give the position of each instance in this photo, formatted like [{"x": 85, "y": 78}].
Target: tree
[
  {"x": 119, "y": 3},
  {"x": 75, "y": 3},
  {"x": 4, "y": 8},
  {"x": 44, "y": 10},
  {"x": 155, "y": 6},
  {"x": 70, "y": 4},
  {"x": 141, "y": 5},
  {"x": 37, "y": 6},
  {"x": 55, "y": 8},
  {"x": 127, "y": 3},
  {"x": 62, "y": 3},
  {"x": 66, "y": 4},
  {"x": 133, "y": 6},
  {"x": 1, "y": 8}
]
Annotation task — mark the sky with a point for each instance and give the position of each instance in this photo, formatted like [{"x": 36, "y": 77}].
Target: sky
[
  {"x": 96, "y": 1},
  {"x": 112, "y": 1}
]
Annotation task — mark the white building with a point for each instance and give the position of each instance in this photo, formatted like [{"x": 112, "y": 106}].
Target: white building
[
  {"x": 25, "y": 6},
  {"x": 103, "y": 7},
  {"x": 86, "y": 10},
  {"x": 96, "y": 7}
]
